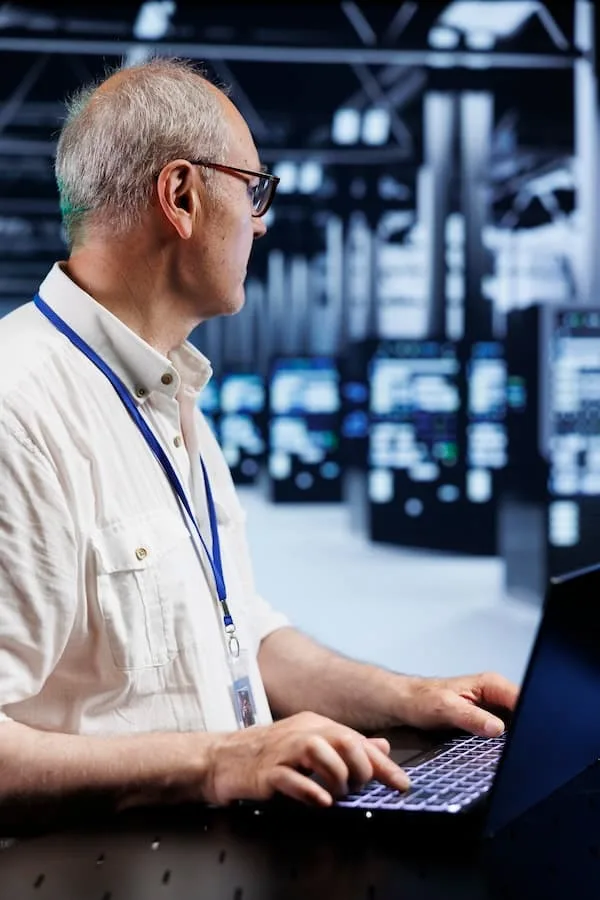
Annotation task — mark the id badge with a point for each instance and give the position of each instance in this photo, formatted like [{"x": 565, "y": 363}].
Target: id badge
[{"x": 243, "y": 698}]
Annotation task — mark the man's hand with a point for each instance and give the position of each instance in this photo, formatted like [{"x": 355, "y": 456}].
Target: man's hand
[
  {"x": 300, "y": 674},
  {"x": 258, "y": 762},
  {"x": 460, "y": 703}
]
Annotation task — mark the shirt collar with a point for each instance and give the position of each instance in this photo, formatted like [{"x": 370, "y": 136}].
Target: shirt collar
[{"x": 141, "y": 368}]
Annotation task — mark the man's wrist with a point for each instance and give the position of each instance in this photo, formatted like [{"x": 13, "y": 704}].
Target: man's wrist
[
  {"x": 184, "y": 774},
  {"x": 396, "y": 697}
]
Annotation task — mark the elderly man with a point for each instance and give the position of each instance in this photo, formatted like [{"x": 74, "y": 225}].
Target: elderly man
[{"x": 134, "y": 649}]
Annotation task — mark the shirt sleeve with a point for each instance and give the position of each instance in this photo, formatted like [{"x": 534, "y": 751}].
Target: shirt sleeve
[
  {"x": 38, "y": 568},
  {"x": 264, "y": 618}
]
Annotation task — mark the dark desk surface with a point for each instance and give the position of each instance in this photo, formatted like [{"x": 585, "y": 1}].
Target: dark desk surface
[
  {"x": 199, "y": 852},
  {"x": 213, "y": 855}
]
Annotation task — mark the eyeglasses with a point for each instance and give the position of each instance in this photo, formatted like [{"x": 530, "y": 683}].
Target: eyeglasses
[{"x": 261, "y": 193}]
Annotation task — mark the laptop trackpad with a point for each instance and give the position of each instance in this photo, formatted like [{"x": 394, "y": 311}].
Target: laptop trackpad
[
  {"x": 402, "y": 757},
  {"x": 408, "y": 744}
]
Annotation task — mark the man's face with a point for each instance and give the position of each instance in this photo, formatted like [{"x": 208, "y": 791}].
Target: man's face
[{"x": 224, "y": 235}]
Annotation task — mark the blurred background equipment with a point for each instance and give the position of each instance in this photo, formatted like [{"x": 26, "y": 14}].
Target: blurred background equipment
[
  {"x": 417, "y": 358},
  {"x": 550, "y": 515},
  {"x": 304, "y": 427},
  {"x": 242, "y": 425}
]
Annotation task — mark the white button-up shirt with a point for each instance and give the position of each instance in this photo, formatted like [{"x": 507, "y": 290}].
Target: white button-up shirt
[{"x": 109, "y": 618}]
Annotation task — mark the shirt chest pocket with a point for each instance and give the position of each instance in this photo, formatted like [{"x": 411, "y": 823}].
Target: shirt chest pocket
[{"x": 143, "y": 571}]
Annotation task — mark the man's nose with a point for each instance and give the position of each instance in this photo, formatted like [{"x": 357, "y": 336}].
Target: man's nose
[{"x": 260, "y": 227}]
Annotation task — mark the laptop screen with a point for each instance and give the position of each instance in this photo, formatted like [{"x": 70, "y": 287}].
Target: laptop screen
[{"x": 555, "y": 733}]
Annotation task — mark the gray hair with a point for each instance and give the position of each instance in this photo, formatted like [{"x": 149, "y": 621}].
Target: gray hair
[{"x": 114, "y": 142}]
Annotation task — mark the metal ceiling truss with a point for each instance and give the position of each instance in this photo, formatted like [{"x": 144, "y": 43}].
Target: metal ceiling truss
[{"x": 337, "y": 56}]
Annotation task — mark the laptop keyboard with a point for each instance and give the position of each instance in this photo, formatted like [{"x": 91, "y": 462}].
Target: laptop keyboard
[{"x": 456, "y": 777}]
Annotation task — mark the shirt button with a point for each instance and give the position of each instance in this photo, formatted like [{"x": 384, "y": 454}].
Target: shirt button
[
  {"x": 141, "y": 553},
  {"x": 140, "y": 391},
  {"x": 177, "y": 441},
  {"x": 167, "y": 378}
]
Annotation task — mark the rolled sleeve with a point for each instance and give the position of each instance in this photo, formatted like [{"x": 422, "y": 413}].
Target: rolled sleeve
[
  {"x": 265, "y": 619},
  {"x": 38, "y": 565}
]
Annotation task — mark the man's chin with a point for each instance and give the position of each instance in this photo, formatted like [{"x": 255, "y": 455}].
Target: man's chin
[
  {"x": 237, "y": 303},
  {"x": 226, "y": 306}
]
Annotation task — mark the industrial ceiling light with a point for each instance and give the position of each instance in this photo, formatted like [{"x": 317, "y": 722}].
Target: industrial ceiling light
[
  {"x": 287, "y": 172},
  {"x": 152, "y": 20},
  {"x": 310, "y": 177},
  {"x": 346, "y": 126},
  {"x": 376, "y": 126},
  {"x": 443, "y": 38},
  {"x": 151, "y": 23},
  {"x": 480, "y": 40},
  {"x": 483, "y": 22}
]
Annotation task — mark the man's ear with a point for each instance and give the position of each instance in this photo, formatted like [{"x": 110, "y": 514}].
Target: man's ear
[{"x": 178, "y": 197}]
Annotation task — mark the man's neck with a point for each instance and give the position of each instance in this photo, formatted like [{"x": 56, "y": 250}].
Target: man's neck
[{"x": 137, "y": 295}]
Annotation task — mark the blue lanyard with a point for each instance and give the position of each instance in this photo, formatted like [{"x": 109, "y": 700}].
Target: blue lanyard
[{"x": 214, "y": 558}]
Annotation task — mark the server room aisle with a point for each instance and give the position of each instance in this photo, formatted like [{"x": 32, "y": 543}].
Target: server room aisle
[{"x": 412, "y": 611}]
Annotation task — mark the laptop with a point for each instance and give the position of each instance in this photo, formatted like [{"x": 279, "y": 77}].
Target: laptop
[{"x": 553, "y": 735}]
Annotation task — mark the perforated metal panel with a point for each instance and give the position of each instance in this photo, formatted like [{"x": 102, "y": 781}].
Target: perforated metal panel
[{"x": 222, "y": 857}]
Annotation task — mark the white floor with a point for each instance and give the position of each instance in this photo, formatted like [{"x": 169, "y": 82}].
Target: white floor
[{"x": 415, "y": 612}]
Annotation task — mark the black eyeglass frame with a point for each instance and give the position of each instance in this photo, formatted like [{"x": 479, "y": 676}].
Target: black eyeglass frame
[{"x": 271, "y": 180}]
